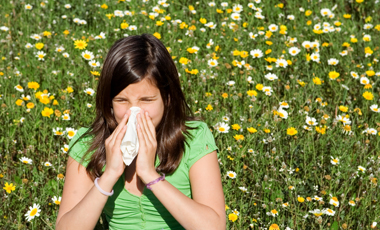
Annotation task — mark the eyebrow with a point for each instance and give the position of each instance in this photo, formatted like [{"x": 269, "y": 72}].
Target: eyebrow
[{"x": 144, "y": 97}]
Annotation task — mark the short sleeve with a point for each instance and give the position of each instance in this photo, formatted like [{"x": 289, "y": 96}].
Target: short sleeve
[
  {"x": 203, "y": 143},
  {"x": 79, "y": 148}
]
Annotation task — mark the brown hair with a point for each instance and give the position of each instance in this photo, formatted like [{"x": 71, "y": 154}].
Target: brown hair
[{"x": 129, "y": 61}]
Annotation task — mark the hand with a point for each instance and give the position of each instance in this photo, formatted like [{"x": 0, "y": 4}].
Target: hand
[
  {"x": 148, "y": 146},
  {"x": 114, "y": 160}
]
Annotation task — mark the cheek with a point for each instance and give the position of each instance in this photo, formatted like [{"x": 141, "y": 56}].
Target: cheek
[{"x": 155, "y": 113}]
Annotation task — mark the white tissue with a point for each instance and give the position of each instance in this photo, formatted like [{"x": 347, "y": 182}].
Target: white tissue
[{"x": 130, "y": 144}]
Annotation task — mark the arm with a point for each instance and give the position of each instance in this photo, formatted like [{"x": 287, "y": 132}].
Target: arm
[
  {"x": 79, "y": 196},
  {"x": 206, "y": 209}
]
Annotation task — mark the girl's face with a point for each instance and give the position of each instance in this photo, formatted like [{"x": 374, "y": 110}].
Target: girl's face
[{"x": 142, "y": 94}]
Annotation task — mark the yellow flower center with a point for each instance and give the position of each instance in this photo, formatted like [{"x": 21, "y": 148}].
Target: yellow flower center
[
  {"x": 221, "y": 129},
  {"x": 33, "y": 212},
  {"x": 25, "y": 161},
  {"x": 71, "y": 133}
]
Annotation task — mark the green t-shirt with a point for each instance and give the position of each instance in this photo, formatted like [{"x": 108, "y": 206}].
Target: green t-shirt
[{"x": 124, "y": 210}]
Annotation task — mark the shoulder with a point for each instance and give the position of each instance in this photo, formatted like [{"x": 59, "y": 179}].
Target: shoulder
[{"x": 79, "y": 144}]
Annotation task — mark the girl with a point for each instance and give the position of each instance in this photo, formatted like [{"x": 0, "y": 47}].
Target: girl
[{"x": 174, "y": 182}]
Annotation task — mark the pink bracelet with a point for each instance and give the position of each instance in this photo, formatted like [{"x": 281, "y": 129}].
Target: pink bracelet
[
  {"x": 101, "y": 190},
  {"x": 155, "y": 181}
]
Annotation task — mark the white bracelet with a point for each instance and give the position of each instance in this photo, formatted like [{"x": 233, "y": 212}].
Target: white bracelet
[{"x": 101, "y": 190}]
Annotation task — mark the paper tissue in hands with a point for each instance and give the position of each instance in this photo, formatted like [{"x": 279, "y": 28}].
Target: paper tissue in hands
[{"x": 130, "y": 143}]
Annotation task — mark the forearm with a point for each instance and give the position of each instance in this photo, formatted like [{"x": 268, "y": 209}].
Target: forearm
[
  {"x": 189, "y": 213},
  {"x": 86, "y": 213}
]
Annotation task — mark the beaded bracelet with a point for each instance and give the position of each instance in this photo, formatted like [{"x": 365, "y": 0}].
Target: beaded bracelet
[
  {"x": 155, "y": 181},
  {"x": 101, "y": 190}
]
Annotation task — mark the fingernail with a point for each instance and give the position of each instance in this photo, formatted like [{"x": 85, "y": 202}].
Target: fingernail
[
  {"x": 146, "y": 113},
  {"x": 125, "y": 115}
]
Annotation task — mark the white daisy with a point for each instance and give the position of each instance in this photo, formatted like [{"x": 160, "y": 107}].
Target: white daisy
[
  {"x": 66, "y": 55},
  {"x": 89, "y": 91},
  {"x": 33, "y": 212},
  {"x": 237, "y": 8},
  {"x": 58, "y": 131},
  {"x": 256, "y": 53},
  {"x": 334, "y": 160},
  {"x": 65, "y": 148},
  {"x": 26, "y": 160},
  {"x": 282, "y": 113},
  {"x": 212, "y": 63},
  {"x": 375, "y": 108},
  {"x": 66, "y": 117},
  {"x": 306, "y": 44},
  {"x": 102, "y": 35},
  {"x": 294, "y": 51},
  {"x": 235, "y": 16},
  {"x": 354, "y": 75},
  {"x": 333, "y": 61},
  {"x": 28, "y": 7},
  {"x": 231, "y": 174},
  {"x": 222, "y": 127},
  {"x": 281, "y": 63},
  {"x": 311, "y": 121},
  {"x": 56, "y": 200},
  {"x": 41, "y": 55},
  {"x": 315, "y": 57},
  {"x": 273, "y": 27},
  {"x": 70, "y": 132},
  {"x": 364, "y": 80},
  {"x": 94, "y": 63},
  {"x": 271, "y": 76},
  {"x": 47, "y": 164},
  {"x": 19, "y": 88},
  {"x": 88, "y": 55}
]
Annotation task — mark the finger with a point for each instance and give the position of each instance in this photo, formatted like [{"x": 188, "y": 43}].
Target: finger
[
  {"x": 145, "y": 126},
  {"x": 119, "y": 127},
  {"x": 152, "y": 129},
  {"x": 141, "y": 137}
]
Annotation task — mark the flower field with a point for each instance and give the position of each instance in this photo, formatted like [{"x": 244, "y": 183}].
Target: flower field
[{"x": 290, "y": 90}]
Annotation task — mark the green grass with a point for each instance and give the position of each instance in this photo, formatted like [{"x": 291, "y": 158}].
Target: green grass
[{"x": 266, "y": 171}]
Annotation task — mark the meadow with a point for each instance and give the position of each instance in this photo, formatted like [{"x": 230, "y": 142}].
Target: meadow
[{"x": 288, "y": 88}]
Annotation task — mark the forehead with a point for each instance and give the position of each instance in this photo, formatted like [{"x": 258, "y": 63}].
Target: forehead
[{"x": 139, "y": 89}]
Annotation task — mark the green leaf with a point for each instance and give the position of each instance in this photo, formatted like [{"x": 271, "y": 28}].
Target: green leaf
[{"x": 335, "y": 226}]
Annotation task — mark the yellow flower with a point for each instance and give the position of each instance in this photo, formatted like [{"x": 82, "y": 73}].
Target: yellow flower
[
  {"x": 317, "y": 81},
  {"x": 308, "y": 12},
  {"x": 359, "y": 1},
  {"x": 157, "y": 35},
  {"x": 183, "y": 60},
  {"x": 252, "y": 130},
  {"x": 19, "y": 102},
  {"x": 80, "y": 44},
  {"x": 291, "y": 131},
  {"x": 333, "y": 75},
  {"x": 203, "y": 20},
  {"x": 30, "y": 105},
  {"x": 235, "y": 126},
  {"x": 226, "y": 207},
  {"x": 109, "y": 16},
  {"x": 259, "y": 87},
  {"x": 354, "y": 40},
  {"x": 252, "y": 93},
  {"x": 232, "y": 217},
  {"x": 47, "y": 112},
  {"x": 33, "y": 85},
  {"x": 343, "y": 108},
  {"x": 368, "y": 95},
  {"x": 239, "y": 137},
  {"x": 209, "y": 107},
  {"x": 267, "y": 130},
  {"x": 370, "y": 73},
  {"x": 55, "y": 102},
  {"x": 268, "y": 51},
  {"x": 9, "y": 187},
  {"x": 66, "y": 32},
  {"x": 104, "y": 6},
  {"x": 347, "y": 15},
  {"x": 124, "y": 25},
  {"x": 225, "y": 95},
  {"x": 321, "y": 130},
  {"x": 269, "y": 43},
  {"x": 159, "y": 23},
  {"x": 300, "y": 199},
  {"x": 39, "y": 45},
  {"x": 274, "y": 227}
]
